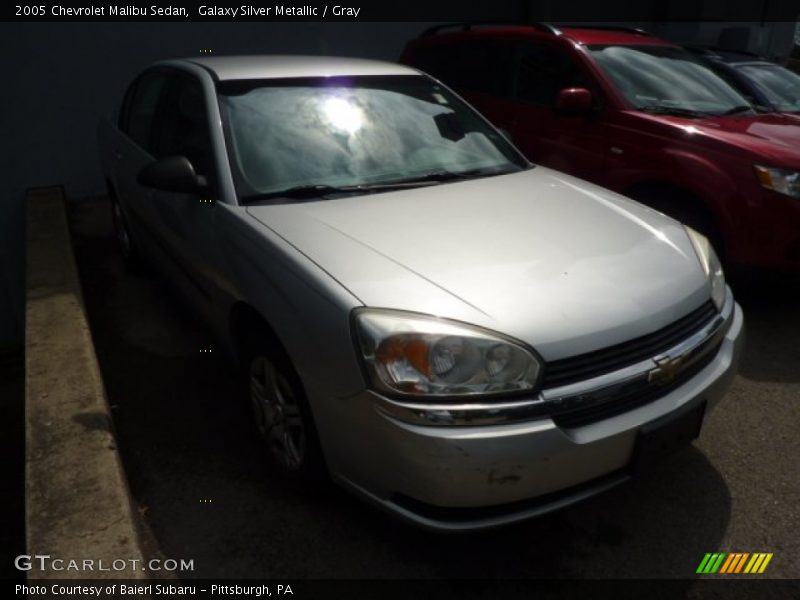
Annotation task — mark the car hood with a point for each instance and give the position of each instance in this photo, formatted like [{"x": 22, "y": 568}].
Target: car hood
[
  {"x": 772, "y": 135},
  {"x": 566, "y": 266}
]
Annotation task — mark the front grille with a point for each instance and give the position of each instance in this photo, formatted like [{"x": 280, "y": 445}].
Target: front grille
[
  {"x": 593, "y": 364},
  {"x": 633, "y": 399}
]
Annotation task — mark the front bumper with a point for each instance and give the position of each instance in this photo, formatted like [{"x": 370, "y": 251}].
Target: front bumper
[{"x": 465, "y": 477}]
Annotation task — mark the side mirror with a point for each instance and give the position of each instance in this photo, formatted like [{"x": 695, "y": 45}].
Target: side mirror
[
  {"x": 172, "y": 174},
  {"x": 574, "y": 101}
]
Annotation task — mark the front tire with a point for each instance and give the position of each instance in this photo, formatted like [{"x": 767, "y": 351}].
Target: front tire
[{"x": 282, "y": 416}]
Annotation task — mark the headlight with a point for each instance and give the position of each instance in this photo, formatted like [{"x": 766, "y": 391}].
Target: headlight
[
  {"x": 711, "y": 265},
  {"x": 783, "y": 181},
  {"x": 417, "y": 355}
]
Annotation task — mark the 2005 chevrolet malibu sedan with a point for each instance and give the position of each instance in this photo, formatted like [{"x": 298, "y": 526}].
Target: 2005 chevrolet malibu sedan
[{"x": 462, "y": 337}]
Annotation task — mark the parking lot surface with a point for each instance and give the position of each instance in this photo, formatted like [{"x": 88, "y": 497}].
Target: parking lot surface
[{"x": 200, "y": 478}]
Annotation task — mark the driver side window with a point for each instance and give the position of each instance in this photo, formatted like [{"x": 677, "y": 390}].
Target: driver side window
[
  {"x": 543, "y": 71},
  {"x": 183, "y": 126}
]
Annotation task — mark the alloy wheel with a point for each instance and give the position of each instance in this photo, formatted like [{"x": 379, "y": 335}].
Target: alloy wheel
[{"x": 277, "y": 413}]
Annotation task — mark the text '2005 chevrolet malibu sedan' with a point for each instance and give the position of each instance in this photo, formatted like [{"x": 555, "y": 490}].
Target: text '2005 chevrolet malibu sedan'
[{"x": 462, "y": 337}]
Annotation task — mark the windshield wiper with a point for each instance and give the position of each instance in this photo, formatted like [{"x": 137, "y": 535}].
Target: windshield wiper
[
  {"x": 317, "y": 191},
  {"x": 659, "y": 109},
  {"x": 441, "y": 176},
  {"x": 736, "y": 110},
  {"x": 300, "y": 192}
]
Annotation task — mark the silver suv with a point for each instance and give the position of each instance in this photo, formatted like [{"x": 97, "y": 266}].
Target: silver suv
[{"x": 462, "y": 337}]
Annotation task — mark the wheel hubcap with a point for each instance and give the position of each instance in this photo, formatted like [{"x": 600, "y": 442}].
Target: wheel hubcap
[{"x": 277, "y": 414}]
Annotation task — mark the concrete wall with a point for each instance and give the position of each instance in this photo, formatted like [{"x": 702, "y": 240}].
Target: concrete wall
[{"x": 773, "y": 40}]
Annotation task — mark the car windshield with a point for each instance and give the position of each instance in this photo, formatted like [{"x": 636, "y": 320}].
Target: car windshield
[
  {"x": 780, "y": 86},
  {"x": 319, "y": 136},
  {"x": 667, "y": 80}
]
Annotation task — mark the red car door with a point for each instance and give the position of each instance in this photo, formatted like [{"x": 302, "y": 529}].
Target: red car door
[{"x": 575, "y": 143}]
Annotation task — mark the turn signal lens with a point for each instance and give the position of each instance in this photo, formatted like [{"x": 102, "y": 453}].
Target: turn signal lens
[{"x": 783, "y": 181}]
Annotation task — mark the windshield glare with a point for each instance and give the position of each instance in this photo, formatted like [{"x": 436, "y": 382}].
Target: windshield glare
[
  {"x": 781, "y": 86},
  {"x": 360, "y": 131},
  {"x": 663, "y": 77}
]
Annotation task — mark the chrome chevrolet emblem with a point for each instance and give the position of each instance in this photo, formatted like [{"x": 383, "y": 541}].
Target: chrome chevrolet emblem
[{"x": 666, "y": 370}]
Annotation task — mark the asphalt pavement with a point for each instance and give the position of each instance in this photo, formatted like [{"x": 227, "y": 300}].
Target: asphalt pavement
[{"x": 200, "y": 479}]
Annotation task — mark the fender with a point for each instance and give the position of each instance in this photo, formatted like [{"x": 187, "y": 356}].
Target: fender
[
  {"x": 699, "y": 176},
  {"x": 314, "y": 339}
]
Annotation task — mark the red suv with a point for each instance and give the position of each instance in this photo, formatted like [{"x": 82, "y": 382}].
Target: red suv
[{"x": 638, "y": 115}]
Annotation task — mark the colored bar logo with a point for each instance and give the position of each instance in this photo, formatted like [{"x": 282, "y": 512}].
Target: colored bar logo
[{"x": 734, "y": 563}]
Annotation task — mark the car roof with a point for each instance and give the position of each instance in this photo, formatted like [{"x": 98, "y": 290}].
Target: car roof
[
  {"x": 282, "y": 66},
  {"x": 600, "y": 36}
]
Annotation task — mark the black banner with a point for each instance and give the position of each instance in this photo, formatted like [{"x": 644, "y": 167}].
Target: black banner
[
  {"x": 341, "y": 589},
  {"x": 758, "y": 11}
]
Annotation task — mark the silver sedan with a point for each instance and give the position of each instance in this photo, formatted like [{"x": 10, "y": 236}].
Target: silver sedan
[{"x": 459, "y": 336}]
